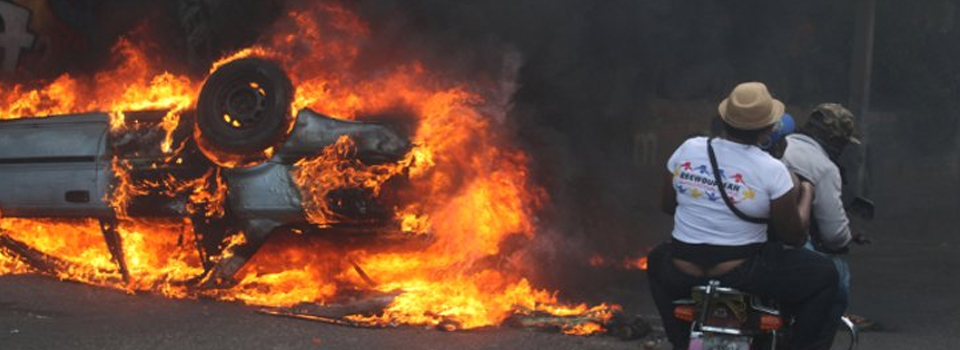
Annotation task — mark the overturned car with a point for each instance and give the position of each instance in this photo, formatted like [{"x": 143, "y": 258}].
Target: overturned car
[{"x": 242, "y": 142}]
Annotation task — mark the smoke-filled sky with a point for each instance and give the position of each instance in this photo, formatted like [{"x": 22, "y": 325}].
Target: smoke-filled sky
[{"x": 593, "y": 72}]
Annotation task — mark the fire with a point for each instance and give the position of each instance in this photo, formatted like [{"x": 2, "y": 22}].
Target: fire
[
  {"x": 58, "y": 97},
  {"x": 639, "y": 263},
  {"x": 153, "y": 256},
  {"x": 627, "y": 263},
  {"x": 135, "y": 84},
  {"x": 597, "y": 260},
  {"x": 335, "y": 168},
  {"x": 467, "y": 187}
]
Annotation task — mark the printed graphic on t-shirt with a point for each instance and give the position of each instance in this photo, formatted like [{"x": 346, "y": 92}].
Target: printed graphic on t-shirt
[{"x": 697, "y": 181}]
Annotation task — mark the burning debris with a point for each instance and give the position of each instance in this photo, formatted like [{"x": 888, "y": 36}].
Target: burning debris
[
  {"x": 338, "y": 314},
  {"x": 241, "y": 187},
  {"x": 36, "y": 259},
  {"x": 599, "y": 319}
]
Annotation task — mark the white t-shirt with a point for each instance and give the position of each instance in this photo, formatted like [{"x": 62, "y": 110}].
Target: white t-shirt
[{"x": 752, "y": 179}]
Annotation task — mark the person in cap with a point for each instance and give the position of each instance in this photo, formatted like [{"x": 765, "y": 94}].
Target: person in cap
[
  {"x": 723, "y": 204},
  {"x": 814, "y": 154}
]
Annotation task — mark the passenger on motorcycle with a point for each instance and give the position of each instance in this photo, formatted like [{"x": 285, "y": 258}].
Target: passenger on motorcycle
[
  {"x": 814, "y": 155},
  {"x": 711, "y": 241}
]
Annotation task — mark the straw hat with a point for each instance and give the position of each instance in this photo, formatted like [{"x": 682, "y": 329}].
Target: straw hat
[{"x": 750, "y": 107}]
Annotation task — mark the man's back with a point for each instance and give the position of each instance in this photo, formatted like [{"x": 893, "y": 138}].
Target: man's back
[{"x": 805, "y": 157}]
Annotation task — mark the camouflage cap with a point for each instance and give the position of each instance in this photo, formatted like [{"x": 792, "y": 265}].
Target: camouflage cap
[{"x": 835, "y": 120}]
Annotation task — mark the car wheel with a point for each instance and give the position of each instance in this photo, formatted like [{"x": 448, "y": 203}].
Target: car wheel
[{"x": 244, "y": 109}]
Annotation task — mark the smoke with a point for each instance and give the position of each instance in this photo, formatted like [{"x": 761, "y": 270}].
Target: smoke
[
  {"x": 580, "y": 93},
  {"x": 595, "y": 74}
]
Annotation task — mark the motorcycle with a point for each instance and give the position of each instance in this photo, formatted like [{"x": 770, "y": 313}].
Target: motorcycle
[{"x": 723, "y": 318}]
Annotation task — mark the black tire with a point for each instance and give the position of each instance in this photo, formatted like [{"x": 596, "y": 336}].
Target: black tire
[{"x": 244, "y": 108}]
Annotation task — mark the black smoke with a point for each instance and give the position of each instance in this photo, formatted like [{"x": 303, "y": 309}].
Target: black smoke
[{"x": 594, "y": 74}]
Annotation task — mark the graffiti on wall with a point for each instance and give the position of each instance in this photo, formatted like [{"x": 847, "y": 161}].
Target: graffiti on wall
[
  {"x": 645, "y": 148},
  {"x": 14, "y": 34}
]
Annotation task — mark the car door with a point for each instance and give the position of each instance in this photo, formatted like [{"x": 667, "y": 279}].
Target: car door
[{"x": 54, "y": 166}]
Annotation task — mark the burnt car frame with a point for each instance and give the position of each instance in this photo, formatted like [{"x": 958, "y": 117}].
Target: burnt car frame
[{"x": 242, "y": 129}]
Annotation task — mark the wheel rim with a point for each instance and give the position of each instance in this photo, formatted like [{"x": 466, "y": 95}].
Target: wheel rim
[{"x": 245, "y": 106}]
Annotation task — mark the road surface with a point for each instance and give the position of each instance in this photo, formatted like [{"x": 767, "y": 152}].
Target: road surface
[{"x": 906, "y": 282}]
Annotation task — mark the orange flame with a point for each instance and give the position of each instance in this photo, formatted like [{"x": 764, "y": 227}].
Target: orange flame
[
  {"x": 638, "y": 263},
  {"x": 332, "y": 169},
  {"x": 627, "y": 263}
]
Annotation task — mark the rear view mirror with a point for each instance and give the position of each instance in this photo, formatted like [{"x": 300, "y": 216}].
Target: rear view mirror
[{"x": 861, "y": 207}]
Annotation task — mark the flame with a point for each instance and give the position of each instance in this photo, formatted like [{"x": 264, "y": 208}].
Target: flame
[
  {"x": 599, "y": 316},
  {"x": 638, "y": 263},
  {"x": 157, "y": 253},
  {"x": 468, "y": 187},
  {"x": 336, "y": 168},
  {"x": 597, "y": 260},
  {"x": 627, "y": 263}
]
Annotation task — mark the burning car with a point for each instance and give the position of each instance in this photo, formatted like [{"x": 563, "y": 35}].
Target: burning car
[
  {"x": 231, "y": 167},
  {"x": 425, "y": 206}
]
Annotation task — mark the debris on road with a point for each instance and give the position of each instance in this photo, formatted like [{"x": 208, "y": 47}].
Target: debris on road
[
  {"x": 610, "y": 321},
  {"x": 336, "y": 314}
]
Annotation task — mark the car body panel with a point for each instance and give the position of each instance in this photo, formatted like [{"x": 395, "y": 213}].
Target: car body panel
[
  {"x": 55, "y": 167},
  {"x": 264, "y": 191},
  {"x": 313, "y": 131}
]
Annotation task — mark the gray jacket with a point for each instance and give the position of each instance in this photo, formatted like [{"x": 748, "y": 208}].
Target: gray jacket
[{"x": 806, "y": 158}]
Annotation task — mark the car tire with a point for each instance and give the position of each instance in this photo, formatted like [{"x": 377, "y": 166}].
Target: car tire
[{"x": 244, "y": 109}]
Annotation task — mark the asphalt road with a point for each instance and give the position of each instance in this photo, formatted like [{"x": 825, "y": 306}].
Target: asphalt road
[
  {"x": 905, "y": 281},
  {"x": 40, "y": 313}
]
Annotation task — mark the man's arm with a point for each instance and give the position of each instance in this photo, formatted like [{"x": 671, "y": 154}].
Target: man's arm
[
  {"x": 785, "y": 219},
  {"x": 804, "y": 199},
  {"x": 805, "y": 203}
]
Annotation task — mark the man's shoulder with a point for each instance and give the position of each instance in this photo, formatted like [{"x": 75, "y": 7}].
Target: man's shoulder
[
  {"x": 804, "y": 156},
  {"x": 803, "y": 149},
  {"x": 803, "y": 142}
]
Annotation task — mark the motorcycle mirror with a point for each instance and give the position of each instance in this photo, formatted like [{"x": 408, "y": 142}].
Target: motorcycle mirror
[{"x": 862, "y": 207}]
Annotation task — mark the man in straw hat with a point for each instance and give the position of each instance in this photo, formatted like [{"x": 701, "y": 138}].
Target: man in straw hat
[{"x": 724, "y": 193}]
